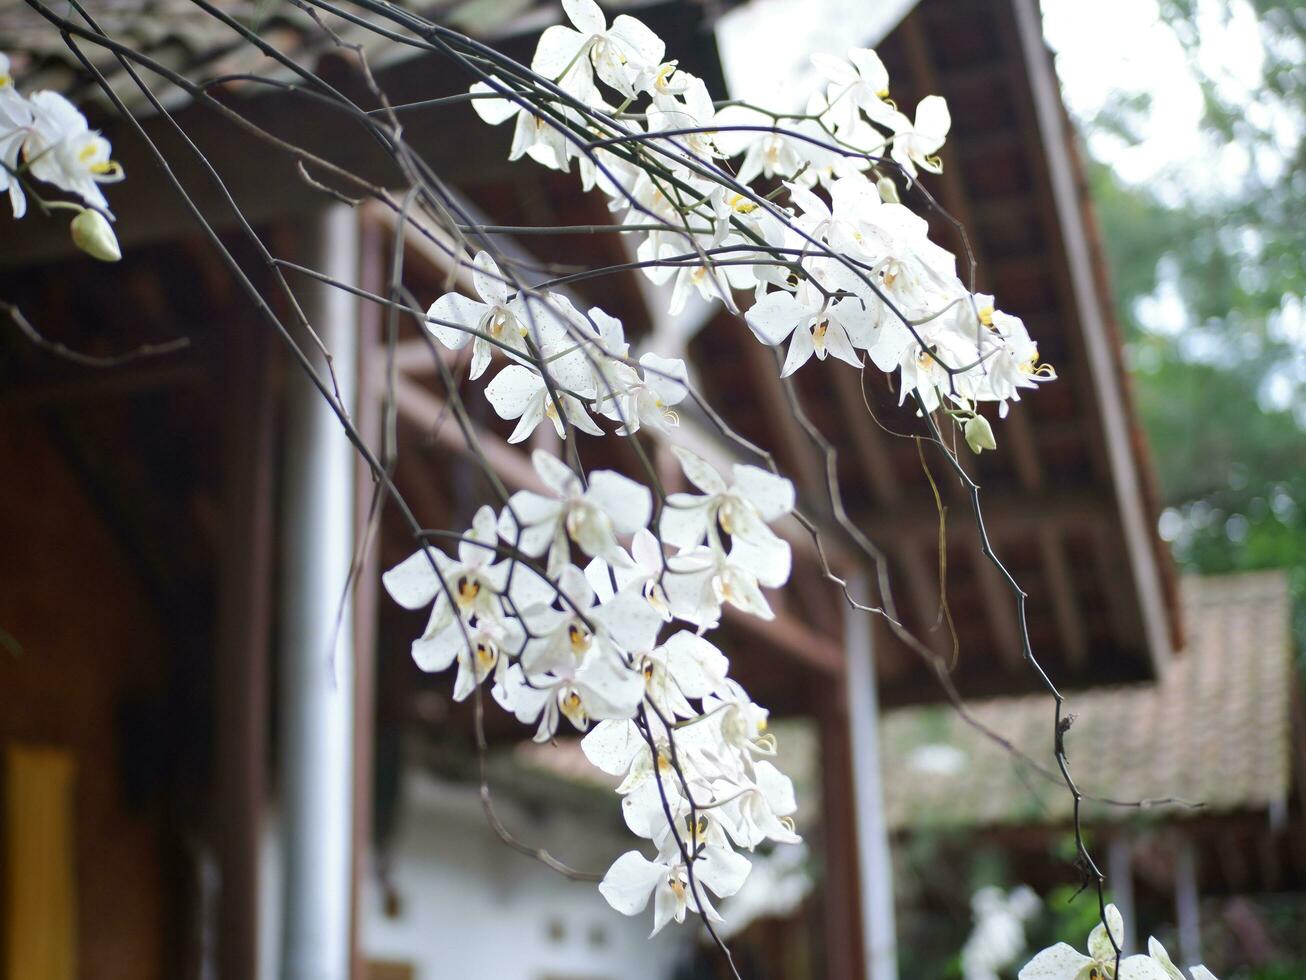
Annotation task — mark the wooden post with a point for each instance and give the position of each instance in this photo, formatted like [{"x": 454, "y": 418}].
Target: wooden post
[
  {"x": 368, "y": 418},
  {"x": 244, "y": 621},
  {"x": 844, "y": 946}
]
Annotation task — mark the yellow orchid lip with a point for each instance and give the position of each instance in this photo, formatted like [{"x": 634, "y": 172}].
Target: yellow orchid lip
[
  {"x": 468, "y": 589},
  {"x": 741, "y": 205},
  {"x": 578, "y": 638}
]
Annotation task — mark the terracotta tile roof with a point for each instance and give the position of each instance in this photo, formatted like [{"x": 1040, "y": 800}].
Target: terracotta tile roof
[
  {"x": 184, "y": 37},
  {"x": 1215, "y": 729}
]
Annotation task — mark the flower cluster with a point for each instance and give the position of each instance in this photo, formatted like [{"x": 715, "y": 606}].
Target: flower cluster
[
  {"x": 601, "y": 648},
  {"x": 44, "y": 137},
  {"x": 590, "y": 603},
  {"x": 566, "y": 364},
  {"x": 836, "y": 265},
  {"x": 1064, "y": 962}
]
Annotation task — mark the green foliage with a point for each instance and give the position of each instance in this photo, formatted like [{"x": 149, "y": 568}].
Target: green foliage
[{"x": 1221, "y": 382}]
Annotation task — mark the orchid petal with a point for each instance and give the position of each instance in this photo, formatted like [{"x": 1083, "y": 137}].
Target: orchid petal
[
  {"x": 699, "y": 471},
  {"x": 1059, "y": 962},
  {"x": 774, "y": 317},
  {"x": 455, "y": 308}
]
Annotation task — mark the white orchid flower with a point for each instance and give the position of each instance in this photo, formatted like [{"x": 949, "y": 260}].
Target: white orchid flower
[
  {"x": 481, "y": 650},
  {"x": 1158, "y": 953},
  {"x": 8, "y": 91},
  {"x": 854, "y": 201},
  {"x": 1010, "y": 360},
  {"x": 665, "y": 83},
  {"x": 520, "y": 393},
  {"x": 916, "y": 143},
  {"x": 620, "y": 55},
  {"x": 62, "y": 150},
  {"x": 1064, "y": 962},
  {"x": 541, "y": 139},
  {"x": 767, "y": 147},
  {"x": 923, "y": 368},
  {"x": 694, "y": 110},
  {"x": 567, "y": 345},
  {"x": 685, "y": 667},
  {"x": 591, "y": 517},
  {"x": 816, "y": 325},
  {"x": 499, "y": 315},
  {"x": 643, "y": 566},
  {"x": 648, "y": 400},
  {"x": 741, "y": 509},
  {"x": 612, "y": 746},
  {"x": 15, "y": 122},
  {"x": 742, "y": 723},
  {"x": 561, "y": 638},
  {"x": 632, "y": 879},
  {"x": 560, "y": 635},
  {"x": 735, "y": 213},
  {"x": 762, "y": 810},
  {"x": 472, "y": 584},
  {"x": 702, "y": 580},
  {"x": 620, "y": 749},
  {"x": 646, "y": 814},
  {"x": 860, "y": 83},
  {"x": 600, "y": 687},
  {"x": 688, "y": 276}
]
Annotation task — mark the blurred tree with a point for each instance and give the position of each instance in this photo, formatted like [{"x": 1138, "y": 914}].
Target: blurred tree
[{"x": 1209, "y": 287}]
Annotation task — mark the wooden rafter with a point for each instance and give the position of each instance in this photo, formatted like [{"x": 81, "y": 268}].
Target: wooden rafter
[
  {"x": 1022, "y": 440},
  {"x": 1058, "y": 190}
]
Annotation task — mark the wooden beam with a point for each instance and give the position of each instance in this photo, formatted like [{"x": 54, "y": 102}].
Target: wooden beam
[
  {"x": 1000, "y": 611},
  {"x": 426, "y": 410},
  {"x": 178, "y": 371},
  {"x": 796, "y": 639},
  {"x": 796, "y": 450},
  {"x": 872, "y": 454},
  {"x": 880, "y": 474},
  {"x": 1004, "y": 516},
  {"x": 416, "y": 358},
  {"x": 1065, "y": 606}
]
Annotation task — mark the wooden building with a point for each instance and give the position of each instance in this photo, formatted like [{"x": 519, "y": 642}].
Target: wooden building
[
  {"x": 1215, "y": 751},
  {"x": 178, "y": 529}
]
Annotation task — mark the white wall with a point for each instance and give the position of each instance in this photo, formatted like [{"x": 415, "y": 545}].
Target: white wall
[{"x": 472, "y": 908}]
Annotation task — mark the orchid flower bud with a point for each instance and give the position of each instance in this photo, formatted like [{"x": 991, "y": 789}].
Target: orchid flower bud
[
  {"x": 94, "y": 236},
  {"x": 979, "y": 434}
]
